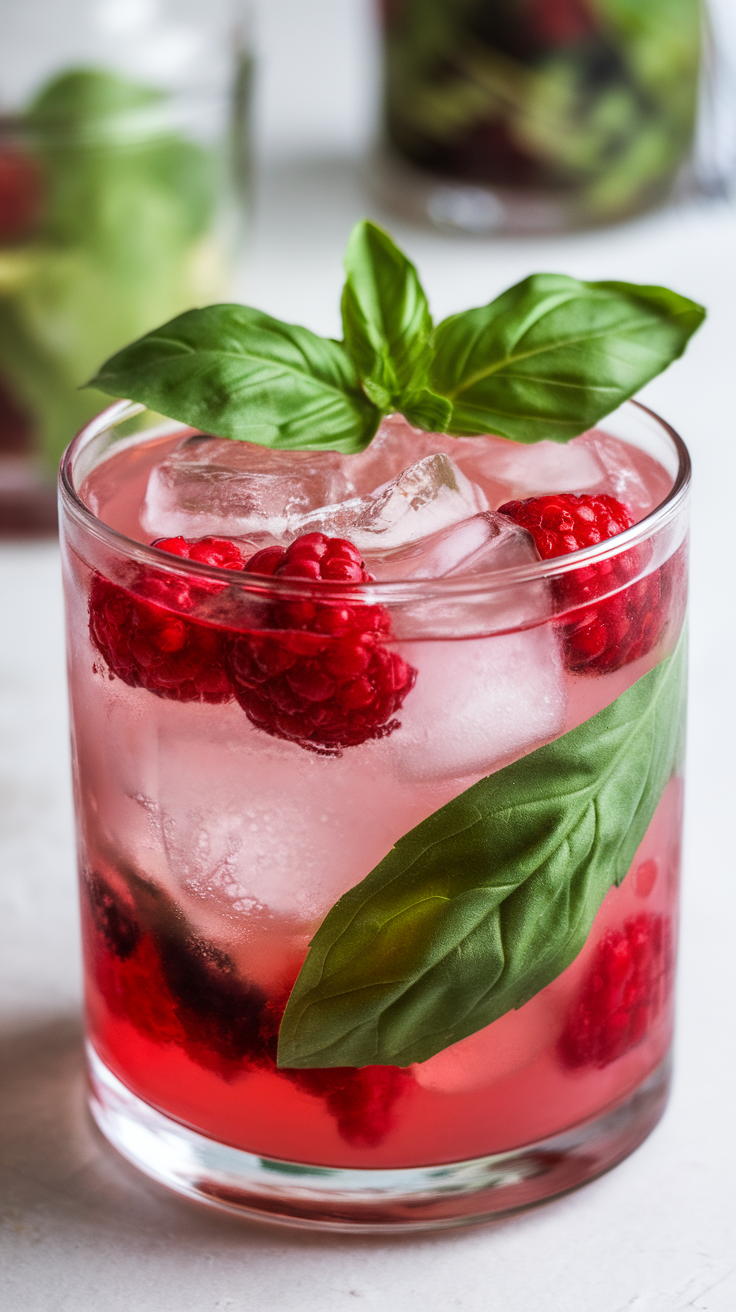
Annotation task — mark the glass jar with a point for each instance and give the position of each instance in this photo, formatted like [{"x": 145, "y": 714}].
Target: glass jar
[
  {"x": 123, "y": 182},
  {"x": 234, "y": 808},
  {"x": 537, "y": 115}
]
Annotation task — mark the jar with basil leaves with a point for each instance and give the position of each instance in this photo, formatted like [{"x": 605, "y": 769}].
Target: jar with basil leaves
[
  {"x": 538, "y": 115},
  {"x": 123, "y": 175}
]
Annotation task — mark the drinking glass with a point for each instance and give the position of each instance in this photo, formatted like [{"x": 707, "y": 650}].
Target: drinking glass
[{"x": 214, "y": 841}]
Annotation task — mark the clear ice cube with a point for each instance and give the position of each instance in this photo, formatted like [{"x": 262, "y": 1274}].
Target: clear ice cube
[
  {"x": 628, "y": 473},
  {"x": 225, "y": 488},
  {"x": 478, "y": 703},
  {"x": 429, "y": 496},
  {"x": 540, "y": 469},
  {"x": 483, "y": 542}
]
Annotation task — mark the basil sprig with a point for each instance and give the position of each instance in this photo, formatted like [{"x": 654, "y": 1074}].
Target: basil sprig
[
  {"x": 488, "y": 900},
  {"x": 547, "y": 359},
  {"x": 388, "y": 329}
]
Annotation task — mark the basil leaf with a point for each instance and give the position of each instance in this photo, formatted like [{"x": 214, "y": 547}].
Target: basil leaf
[
  {"x": 236, "y": 372},
  {"x": 488, "y": 900},
  {"x": 427, "y": 410},
  {"x": 551, "y": 356},
  {"x": 386, "y": 319}
]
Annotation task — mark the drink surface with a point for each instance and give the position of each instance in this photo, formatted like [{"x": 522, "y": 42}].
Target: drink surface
[{"x": 213, "y": 847}]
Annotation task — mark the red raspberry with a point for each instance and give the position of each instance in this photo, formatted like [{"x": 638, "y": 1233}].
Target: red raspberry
[
  {"x": 560, "y": 22},
  {"x": 626, "y": 989},
  {"x": 144, "y": 638},
  {"x": 325, "y": 679},
  {"x": 603, "y": 635},
  {"x": 20, "y": 194}
]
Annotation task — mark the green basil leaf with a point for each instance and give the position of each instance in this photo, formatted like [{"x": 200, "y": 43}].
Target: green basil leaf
[
  {"x": 236, "y": 372},
  {"x": 427, "y": 410},
  {"x": 488, "y": 900},
  {"x": 386, "y": 319},
  {"x": 551, "y": 356}
]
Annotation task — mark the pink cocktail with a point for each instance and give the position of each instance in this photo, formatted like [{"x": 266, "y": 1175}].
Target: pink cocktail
[{"x": 255, "y": 729}]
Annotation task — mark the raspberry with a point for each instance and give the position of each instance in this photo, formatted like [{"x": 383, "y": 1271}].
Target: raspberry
[
  {"x": 560, "y": 22},
  {"x": 324, "y": 677},
  {"x": 603, "y": 635},
  {"x": 21, "y": 194},
  {"x": 626, "y": 988},
  {"x": 147, "y": 643}
]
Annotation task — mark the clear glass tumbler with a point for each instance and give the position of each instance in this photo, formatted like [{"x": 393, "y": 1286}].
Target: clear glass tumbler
[{"x": 216, "y": 843}]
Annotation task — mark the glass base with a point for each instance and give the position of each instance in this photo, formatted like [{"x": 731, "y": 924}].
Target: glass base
[
  {"x": 454, "y": 205},
  {"x": 373, "y": 1201}
]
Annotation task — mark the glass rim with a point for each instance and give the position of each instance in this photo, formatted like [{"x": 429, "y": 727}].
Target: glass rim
[{"x": 466, "y": 586}]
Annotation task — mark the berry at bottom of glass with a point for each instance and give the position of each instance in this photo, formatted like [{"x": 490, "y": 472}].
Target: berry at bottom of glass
[{"x": 302, "y": 687}]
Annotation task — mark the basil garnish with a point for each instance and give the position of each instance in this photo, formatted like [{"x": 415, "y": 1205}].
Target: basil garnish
[
  {"x": 551, "y": 356},
  {"x": 488, "y": 900},
  {"x": 385, "y": 317},
  {"x": 236, "y": 372},
  {"x": 547, "y": 359}
]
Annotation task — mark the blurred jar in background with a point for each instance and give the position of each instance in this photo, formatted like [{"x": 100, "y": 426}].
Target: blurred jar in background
[
  {"x": 538, "y": 115},
  {"x": 123, "y": 187}
]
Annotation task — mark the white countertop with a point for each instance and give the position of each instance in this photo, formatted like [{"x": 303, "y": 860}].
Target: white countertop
[{"x": 80, "y": 1230}]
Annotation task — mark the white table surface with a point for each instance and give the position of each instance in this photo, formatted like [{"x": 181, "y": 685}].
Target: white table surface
[{"x": 79, "y": 1228}]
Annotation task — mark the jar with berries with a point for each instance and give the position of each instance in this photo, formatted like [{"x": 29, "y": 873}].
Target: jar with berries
[{"x": 529, "y": 116}]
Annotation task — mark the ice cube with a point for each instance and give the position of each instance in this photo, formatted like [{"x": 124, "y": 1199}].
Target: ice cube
[
  {"x": 429, "y": 496},
  {"x": 627, "y": 473},
  {"x": 225, "y": 488},
  {"x": 397, "y": 445},
  {"x": 480, "y": 544},
  {"x": 520, "y": 471},
  {"x": 478, "y": 703}
]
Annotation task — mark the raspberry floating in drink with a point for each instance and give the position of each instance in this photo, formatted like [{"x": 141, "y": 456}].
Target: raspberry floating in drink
[
  {"x": 144, "y": 635},
  {"x": 602, "y": 635},
  {"x": 326, "y": 678},
  {"x": 626, "y": 989}
]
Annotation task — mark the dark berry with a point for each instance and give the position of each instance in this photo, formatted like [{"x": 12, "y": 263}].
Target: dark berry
[
  {"x": 626, "y": 988},
  {"x": 144, "y": 637},
  {"x": 320, "y": 673},
  {"x": 600, "y": 636},
  {"x": 362, "y": 1100},
  {"x": 221, "y": 1013},
  {"x": 113, "y": 919},
  {"x": 176, "y": 989}
]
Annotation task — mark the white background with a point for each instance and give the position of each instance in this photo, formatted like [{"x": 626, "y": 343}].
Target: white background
[{"x": 79, "y": 1229}]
